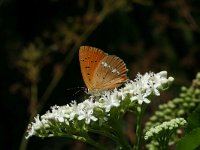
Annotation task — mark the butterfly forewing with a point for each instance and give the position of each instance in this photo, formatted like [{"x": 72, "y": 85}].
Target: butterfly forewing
[
  {"x": 89, "y": 58},
  {"x": 110, "y": 73}
]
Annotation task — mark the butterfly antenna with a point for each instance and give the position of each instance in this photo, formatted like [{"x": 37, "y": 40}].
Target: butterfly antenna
[{"x": 80, "y": 89}]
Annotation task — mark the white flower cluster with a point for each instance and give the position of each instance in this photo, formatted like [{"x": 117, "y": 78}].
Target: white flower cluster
[
  {"x": 145, "y": 85},
  {"x": 99, "y": 107},
  {"x": 165, "y": 127}
]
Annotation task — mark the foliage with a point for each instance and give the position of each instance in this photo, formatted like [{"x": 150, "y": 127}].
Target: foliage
[{"x": 178, "y": 107}]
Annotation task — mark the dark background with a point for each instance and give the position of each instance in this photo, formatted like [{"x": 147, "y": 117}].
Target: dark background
[{"x": 148, "y": 35}]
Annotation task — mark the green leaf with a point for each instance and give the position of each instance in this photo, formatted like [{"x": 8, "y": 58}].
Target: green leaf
[
  {"x": 194, "y": 119},
  {"x": 191, "y": 141}
]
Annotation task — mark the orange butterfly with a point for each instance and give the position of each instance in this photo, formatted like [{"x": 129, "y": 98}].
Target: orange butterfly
[{"x": 101, "y": 71}]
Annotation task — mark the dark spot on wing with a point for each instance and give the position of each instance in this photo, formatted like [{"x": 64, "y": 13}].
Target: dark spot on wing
[{"x": 87, "y": 67}]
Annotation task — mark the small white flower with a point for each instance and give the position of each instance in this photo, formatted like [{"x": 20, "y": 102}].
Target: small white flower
[
  {"x": 109, "y": 100},
  {"x": 129, "y": 88},
  {"x": 121, "y": 94},
  {"x": 143, "y": 81},
  {"x": 87, "y": 115},
  {"x": 85, "y": 110},
  {"x": 141, "y": 98},
  {"x": 89, "y": 104},
  {"x": 153, "y": 88},
  {"x": 61, "y": 119},
  {"x": 74, "y": 110},
  {"x": 34, "y": 126}
]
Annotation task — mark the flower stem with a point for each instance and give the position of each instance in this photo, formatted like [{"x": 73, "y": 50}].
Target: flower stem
[
  {"x": 96, "y": 144},
  {"x": 139, "y": 135},
  {"x": 119, "y": 134},
  {"x": 105, "y": 133},
  {"x": 164, "y": 141},
  {"x": 86, "y": 139}
]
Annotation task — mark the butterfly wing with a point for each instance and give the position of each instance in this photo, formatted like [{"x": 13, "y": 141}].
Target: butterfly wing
[
  {"x": 110, "y": 73},
  {"x": 89, "y": 58}
]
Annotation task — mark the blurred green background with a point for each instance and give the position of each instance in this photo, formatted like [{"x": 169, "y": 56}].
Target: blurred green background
[{"x": 39, "y": 42}]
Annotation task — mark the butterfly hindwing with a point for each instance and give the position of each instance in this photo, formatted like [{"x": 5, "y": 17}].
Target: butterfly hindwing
[{"x": 110, "y": 73}]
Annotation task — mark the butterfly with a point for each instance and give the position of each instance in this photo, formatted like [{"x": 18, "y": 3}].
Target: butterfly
[{"x": 100, "y": 71}]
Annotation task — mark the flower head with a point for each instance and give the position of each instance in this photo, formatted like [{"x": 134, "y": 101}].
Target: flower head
[
  {"x": 96, "y": 110},
  {"x": 166, "y": 127}
]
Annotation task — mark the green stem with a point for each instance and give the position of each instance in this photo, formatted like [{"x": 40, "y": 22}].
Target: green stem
[
  {"x": 105, "y": 133},
  {"x": 123, "y": 142},
  {"x": 138, "y": 132},
  {"x": 164, "y": 140},
  {"x": 163, "y": 143},
  {"x": 139, "y": 135},
  {"x": 96, "y": 144},
  {"x": 119, "y": 134},
  {"x": 86, "y": 139}
]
